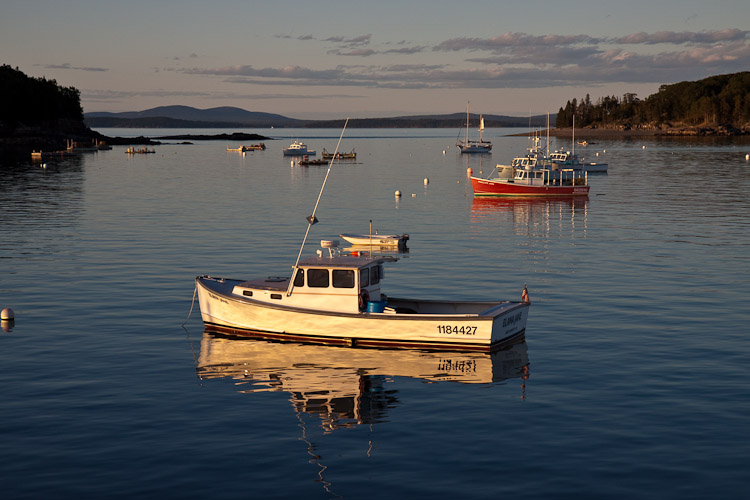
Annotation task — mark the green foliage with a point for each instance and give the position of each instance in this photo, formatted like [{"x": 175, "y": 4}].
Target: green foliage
[
  {"x": 717, "y": 100},
  {"x": 33, "y": 101}
]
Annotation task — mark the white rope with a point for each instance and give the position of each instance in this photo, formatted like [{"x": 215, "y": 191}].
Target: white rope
[{"x": 195, "y": 291}]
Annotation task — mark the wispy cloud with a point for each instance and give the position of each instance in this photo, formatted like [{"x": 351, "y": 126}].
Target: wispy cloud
[
  {"x": 684, "y": 37},
  {"x": 357, "y": 40},
  {"x": 70, "y": 66},
  {"x": 513, "y": 60}
]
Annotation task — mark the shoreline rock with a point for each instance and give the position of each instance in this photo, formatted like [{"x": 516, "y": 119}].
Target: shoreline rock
[{"x": 600, "y": 133}]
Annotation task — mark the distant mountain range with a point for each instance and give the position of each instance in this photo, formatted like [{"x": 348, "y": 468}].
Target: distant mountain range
[{"x": 228, "y": 117}]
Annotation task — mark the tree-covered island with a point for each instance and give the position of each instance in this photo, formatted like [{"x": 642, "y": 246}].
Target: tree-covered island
[{"x": 718, "y": 105}]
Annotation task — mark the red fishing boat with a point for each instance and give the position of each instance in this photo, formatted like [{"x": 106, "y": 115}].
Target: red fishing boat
[{"x": 532, "y": 181}]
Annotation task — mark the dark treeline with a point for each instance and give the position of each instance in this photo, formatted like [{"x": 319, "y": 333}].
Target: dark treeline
[
  {"x": 722, "y": 100},
  {"x": 30, "y": 101}
]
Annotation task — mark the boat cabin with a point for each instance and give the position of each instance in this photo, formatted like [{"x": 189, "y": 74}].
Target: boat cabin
[
  {"x": 331, "y": 283},
  {"x": 549, "y": 177},
  {"x": 524, "y": 162}
]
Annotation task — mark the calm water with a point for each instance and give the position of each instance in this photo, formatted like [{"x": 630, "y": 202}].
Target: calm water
[{"x": 633, "y": 381}]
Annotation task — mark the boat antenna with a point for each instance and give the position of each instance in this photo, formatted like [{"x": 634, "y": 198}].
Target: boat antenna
[{"x": 311, "y": 219}]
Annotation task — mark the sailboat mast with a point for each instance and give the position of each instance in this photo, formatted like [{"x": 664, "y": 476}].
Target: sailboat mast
[
  {"x": 467, "y": 123},
  {"x": 574, "y": 135}
]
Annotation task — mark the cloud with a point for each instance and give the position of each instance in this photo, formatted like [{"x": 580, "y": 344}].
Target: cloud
[
  {"x": 406, "y": 50},
  {"x": 357, "y": 40},
  {"x": 355, "y": 52},
  {"x": 514, "y": 60},
  {"x": 671, "y": 37},
  {"x": 503, "y": 42},
  {"x": 69, "y": 66}
]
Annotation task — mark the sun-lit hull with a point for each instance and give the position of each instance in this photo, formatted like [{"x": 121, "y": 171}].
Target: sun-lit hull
[
  {"x": 506, "y": 187},
  {"x": 474, "y": 326},
  {"x": 396, "y": 240}
]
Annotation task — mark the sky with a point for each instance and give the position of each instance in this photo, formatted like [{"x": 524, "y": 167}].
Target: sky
[{"x": 330, "y": 59}]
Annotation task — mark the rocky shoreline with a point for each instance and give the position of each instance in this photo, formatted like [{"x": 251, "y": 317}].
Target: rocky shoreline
[
  {"x": 26, "y": 140},
  {"x": 603, "y": 133}
]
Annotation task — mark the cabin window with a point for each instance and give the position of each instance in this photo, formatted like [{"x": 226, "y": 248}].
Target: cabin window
[
  {"x": 317, "y": 278},
  {"x": 375, "y": 275},
  {"x": 343, "y": 278},
  {"x": 364, "y": 277},
  {"x": 247, "y": 293},
  {"x": 276, "y": 296},
  {"x": 299, "y": 279}
]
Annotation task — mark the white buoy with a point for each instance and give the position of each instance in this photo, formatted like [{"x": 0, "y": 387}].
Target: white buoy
[
  {"x": 604, "y": 151},
  {"x": 426, "y": 181},
  {"x": 7, "y": 313},
  {"x": 597, "y": 154},
  {"x": 291, "y": 163},
  {"x": 398, "y": 193},
  {"x": 644, "y": 147},
  {"x": 469, "y": 171},
  {"x": 747, "y": 157},
  {"x": 414, "y": 195},
  {"x": 443, "y": 151}
]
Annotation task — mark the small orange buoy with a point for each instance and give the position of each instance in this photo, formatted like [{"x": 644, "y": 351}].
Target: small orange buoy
[{"x": 469, "y": 171}]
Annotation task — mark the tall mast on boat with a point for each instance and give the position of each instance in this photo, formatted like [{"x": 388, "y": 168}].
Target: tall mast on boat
[
  {"x": 311, "y": 219},
  {"x": 467, "y": 123}
]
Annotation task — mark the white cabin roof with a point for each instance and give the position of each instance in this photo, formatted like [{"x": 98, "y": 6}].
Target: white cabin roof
[{"x": 340, "y": 261}]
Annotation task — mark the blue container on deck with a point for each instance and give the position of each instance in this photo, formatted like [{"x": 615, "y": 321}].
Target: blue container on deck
[{"x": 376, "y": 306}]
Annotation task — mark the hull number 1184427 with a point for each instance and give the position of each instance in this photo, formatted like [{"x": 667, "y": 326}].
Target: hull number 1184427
[{"x": 457, "y": 330}]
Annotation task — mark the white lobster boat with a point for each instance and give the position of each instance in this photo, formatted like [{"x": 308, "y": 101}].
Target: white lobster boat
[
  {"x": 337, "y": 298},
  {"x": 298, "y": 149}
]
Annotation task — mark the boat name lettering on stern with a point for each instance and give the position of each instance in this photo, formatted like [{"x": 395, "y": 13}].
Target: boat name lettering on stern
[
  {"x": 217, "y": 298},
  {"x": 512, "y": 320},
  {"x": 457, "y": 330}
]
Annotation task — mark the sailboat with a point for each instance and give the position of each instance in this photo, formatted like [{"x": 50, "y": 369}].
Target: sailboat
[{"x": 469, "y": 146}]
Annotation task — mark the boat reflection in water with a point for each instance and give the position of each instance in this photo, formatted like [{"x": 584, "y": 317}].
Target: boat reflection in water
[
  {"x": 529, "y": 212},
  {"x": 345, "y": 386}
]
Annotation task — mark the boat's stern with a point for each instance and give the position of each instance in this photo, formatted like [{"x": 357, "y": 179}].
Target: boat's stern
[{"x": 509, "y": 323}]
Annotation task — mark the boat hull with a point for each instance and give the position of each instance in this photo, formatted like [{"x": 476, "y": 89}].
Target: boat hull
[
  {"x": 595, "y": 168},
  {"x": 475, "y": 148},
  {"x": 298, "y": 152},
  {"x": 505, "y": 187},
  {"x": 393, "y": 240},
  {"x": 471, "y": 326}
]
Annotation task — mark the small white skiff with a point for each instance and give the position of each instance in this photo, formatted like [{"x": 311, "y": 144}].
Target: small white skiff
[{"x": 381, "y": 240}]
